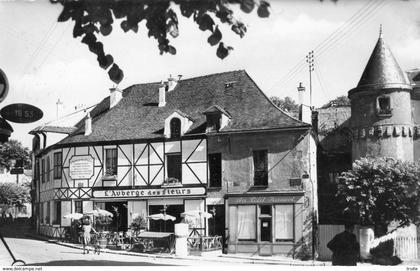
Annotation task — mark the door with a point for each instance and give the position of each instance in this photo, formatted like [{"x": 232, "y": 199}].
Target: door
[
  {"x": 265, "y": 229},
  {"x": 217, "y": 222}
]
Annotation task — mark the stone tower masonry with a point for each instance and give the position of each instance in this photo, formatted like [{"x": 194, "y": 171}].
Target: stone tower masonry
[{"x": 381, "y": 114}]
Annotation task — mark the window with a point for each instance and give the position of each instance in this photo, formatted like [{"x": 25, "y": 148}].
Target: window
[
  {"x": 174, "y": 166},
  {"x": 37, "y": 169},
  {"x": 213, "y": 122},
  {"x": 57, "y": 217},
  {"x": 41, "y": 212},
  {"x": 175, "y": 126},
  {"x": 284, "y": 223},
  {"x": 47, "y": 217},
  {"x": 43, "y": 171},
  {"x": 247, "y": 224},
  {"x": 57, "y": 165},
  {"x": 215, "y": 168},
  {"x": 384, "y": 105},
  {"x": 48, "y": 169},
  {"x": 78, "y": 207},
  {"x": 111, "y": 161},
  {"x": 260, "y": 167}
]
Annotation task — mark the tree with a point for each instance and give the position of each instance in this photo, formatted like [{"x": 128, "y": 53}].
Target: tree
[
  {"x": 96, "y": 17},
  {"x": 381, "y": 191},
  {"x": 13, "y": 150},
  {"x": 287, "y": 104},
  {"x": 14, "y": 195},
  {"x": 338, "y": 102}
]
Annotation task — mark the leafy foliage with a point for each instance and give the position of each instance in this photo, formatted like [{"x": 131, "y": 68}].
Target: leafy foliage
[
  {"x": 102, "y": 222},
  {"x": 382, "y": 190},
  {"x": 94, "y": 17},
  {"x": 13, "y": 150},
  {"x": 287, "y": 104},
  {"x": 14, "y": 195},
  {"x": 338, "y": 102},
  {"x": 139, "y": 223}
]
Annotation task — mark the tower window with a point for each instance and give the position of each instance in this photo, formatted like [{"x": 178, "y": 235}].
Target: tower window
[
  {"x": 175, "y": 126},
  {"x": 384, "y": 105}
]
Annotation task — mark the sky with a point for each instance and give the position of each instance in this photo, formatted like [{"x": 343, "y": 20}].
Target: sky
[{"x": 44, "y": 63}]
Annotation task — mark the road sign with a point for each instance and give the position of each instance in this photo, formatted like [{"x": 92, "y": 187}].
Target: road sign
[
  {"x": 21, "y": 113},
  {"x": 4, "y": 86},
  {"x": 16, "y": 170}
]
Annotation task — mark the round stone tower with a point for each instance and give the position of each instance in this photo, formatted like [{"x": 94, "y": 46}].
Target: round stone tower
[{"x": 381, "y": 118}]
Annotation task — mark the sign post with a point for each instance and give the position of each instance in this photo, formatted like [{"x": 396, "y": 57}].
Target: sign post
[{"x": 21, "y": 113}]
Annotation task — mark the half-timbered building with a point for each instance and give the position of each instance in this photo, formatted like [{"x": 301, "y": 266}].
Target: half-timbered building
[{"x": 213, "y": 143}]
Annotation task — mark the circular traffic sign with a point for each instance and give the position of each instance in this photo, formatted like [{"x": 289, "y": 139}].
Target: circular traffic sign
[
  {"x": 4, "y": 86},
  {"x": 21, "y": 113}
]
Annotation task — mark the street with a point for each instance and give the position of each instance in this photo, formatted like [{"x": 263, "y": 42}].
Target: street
[{"x": 42, "y": 253}]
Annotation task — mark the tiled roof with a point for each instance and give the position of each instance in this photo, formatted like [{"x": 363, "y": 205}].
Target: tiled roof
[
  {"x": 137, "y": 115},
  {"x": 53, "y": 129},
  {"x": 382, "y": 70}
]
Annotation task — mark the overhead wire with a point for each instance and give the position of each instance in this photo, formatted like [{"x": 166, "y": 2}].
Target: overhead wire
[
  {"x": 334, "y": 37},
  {"x": 352, "y": 29}
]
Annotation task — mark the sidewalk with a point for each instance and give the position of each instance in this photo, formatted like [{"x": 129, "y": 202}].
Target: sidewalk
[{"x": 206, "y": 257}]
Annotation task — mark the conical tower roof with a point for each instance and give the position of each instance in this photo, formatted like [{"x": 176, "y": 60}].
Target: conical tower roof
[{"x": 382, "y": 70}]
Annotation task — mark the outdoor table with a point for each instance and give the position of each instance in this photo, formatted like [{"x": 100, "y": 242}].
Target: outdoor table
[{"x": 147, "y": 239}]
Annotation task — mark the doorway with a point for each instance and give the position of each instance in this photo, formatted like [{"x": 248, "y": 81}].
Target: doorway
[
  {"x": 119, "y": 211},
  {"x": 168, "y": 225},
  {"x": 217, "y": 222}
]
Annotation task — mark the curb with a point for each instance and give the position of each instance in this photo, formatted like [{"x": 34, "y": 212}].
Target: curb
[{"x": 224, "y": 258}]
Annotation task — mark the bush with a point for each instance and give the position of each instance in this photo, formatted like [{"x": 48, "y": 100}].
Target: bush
[{"x": 139, "y": 223}]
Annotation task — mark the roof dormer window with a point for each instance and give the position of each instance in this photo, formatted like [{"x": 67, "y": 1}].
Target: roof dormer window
[
  {"x": 213, "y": 122},
  {"x": 216, "y": 118},
  {"x": 175, "y": 126}
]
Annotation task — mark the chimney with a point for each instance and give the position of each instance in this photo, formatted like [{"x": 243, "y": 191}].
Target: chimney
[
  {"x": 305, "y": 113},
  {"x": 88, "y": 125},
  {"x": 114, "y": 97},
  {"x": 162, "y": 94},
  {"x": 172, "y": 83}
]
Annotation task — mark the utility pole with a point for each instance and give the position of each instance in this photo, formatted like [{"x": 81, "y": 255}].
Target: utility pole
[{"x": 310, "y": 61}]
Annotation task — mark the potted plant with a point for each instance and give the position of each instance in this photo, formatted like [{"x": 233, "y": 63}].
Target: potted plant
[
  {"x": 171, "y": 182},
  {"x": 102, "y": 223},
  {"x": 138, "y": 225},
  {"x": 109, "y": 175}
]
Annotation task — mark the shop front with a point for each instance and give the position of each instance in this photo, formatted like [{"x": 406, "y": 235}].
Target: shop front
[
  {"x": 265, "y": 223},
  {"x": 151, "y": 202}
]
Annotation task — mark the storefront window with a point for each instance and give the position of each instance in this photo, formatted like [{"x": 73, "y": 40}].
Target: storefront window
[
  {"x": 247, "y": 222},
  {"x": 284, "y": 222}
]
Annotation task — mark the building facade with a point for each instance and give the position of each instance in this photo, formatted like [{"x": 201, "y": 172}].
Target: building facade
[{"x": 213, "y": 143}]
